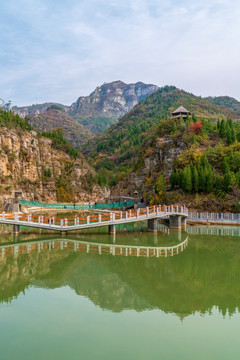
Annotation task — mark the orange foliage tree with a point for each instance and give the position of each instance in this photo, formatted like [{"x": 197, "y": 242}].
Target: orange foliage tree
[{"x": 195, "y": 127}]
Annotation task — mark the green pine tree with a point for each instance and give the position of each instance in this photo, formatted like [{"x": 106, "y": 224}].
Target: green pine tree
[
  {"x": 222, "y": 129},
  {"x": 187, "y": 179},
  {"x": 218, "y": 183},
  {"x": 225, "y": 165},
  {"x": 233, "y": 134},
  {"x": 195, "y": 180}
]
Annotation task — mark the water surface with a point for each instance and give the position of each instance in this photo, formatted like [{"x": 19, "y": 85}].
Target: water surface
[{"x": 59, "y": 303}]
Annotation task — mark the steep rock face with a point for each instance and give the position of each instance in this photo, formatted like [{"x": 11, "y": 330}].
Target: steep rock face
[
  {"x": 74, "y": 132},
  {"x": 31, "y": 164},
  {"x": 160, "y": 158},
  {"x": 107, "y": 103}
]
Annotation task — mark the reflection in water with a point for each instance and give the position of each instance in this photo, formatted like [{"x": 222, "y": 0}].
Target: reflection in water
[{"x": 204, "y": 275}]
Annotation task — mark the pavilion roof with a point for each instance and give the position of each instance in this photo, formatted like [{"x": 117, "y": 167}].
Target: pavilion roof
[{"x": 181, "y": 109}]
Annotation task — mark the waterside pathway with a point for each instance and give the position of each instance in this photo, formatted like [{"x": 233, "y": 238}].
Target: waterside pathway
[{"x": 58, "y": 302}]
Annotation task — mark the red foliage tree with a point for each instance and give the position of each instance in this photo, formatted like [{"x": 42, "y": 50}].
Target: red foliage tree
[{"x": 196, "y": 127}]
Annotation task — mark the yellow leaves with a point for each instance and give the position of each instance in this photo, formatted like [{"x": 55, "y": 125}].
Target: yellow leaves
[
  {"x": 148, "y": 152},
  {"x": 148, "y": 180},
  {"x": 192, "y": 154},
  {"x": 235, "y": 147}
]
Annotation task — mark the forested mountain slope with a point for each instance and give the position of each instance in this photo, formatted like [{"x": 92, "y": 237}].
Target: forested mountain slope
[
  {"x": 55, "y": 117},
  {"x": 115, "y": 152},
  {"x": 227, "y": 102}
]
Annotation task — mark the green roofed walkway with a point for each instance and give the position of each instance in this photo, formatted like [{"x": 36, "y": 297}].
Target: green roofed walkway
[{"x": 112, "y": 205}]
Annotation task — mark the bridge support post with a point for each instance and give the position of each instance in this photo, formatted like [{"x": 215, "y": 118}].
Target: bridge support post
[
  {"x": 152, "y": 225},
  {"x": 16, "y": 230},
  {"x": 184, "y": 221},
  {"x": 112, "y": 229},
  {"x": 175, "y": 221}
]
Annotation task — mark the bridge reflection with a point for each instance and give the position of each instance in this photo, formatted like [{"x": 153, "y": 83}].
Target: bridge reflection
[{"x": 91, "y": 247}]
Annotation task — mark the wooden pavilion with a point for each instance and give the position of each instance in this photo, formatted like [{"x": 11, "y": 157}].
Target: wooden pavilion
[{"x": 181, "y": 112}]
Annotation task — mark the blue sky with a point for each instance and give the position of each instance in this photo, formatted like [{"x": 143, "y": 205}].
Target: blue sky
[{"x": 58, "y": 50}]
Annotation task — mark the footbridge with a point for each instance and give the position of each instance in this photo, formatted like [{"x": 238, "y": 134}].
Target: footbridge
[
  {"x": 91, "y": 248},
  {"x": 177, "y": 216}
]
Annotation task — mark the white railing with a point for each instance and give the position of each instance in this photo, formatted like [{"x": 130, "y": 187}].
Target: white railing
[
  {"x": 214, "y": 217},
  {"x": 112, "y": 218},
  {"x": 216, "y": 231}
]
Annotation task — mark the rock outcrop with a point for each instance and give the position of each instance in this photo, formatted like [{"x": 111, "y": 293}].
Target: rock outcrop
[
  {"x": 157, "y": 159},
  {"x": 30, "y": 163}
]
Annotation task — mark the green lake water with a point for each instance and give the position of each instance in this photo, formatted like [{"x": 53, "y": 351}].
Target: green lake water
[{"x": 67, "y": 304}]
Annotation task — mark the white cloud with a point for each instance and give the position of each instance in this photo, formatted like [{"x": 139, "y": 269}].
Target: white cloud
[{"x": 59, "y": 50}]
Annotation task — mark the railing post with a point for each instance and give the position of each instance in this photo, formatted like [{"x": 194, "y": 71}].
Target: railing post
[
  {"x": 75, "y": 221},
  {"x": 165, "y": 210},
  {"x": 53, "y": 220},
  {"x": 3, "y": 215},
  {"x": 171, "y": 208},
  {"x": 42, "y": 219},
  {"x": 121, "y": 213},
  {"x": 66, "y": 222},
  {"x": 147, "y": 211},
  {"x": 61, "y": 223},
  {"x": 88, "y": 220},
  {"x": 113, "y": 216},
  {"x": 28, "y": 218},
  {"x": 100, "y": 218},
  {"x": 16, "y": 216}
]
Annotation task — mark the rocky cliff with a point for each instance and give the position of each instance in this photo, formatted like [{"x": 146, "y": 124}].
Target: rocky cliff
[
  {"x": 30, "y": 163},
  {"x": 156, "y": 157},
  {"x": 107, "y": 103}
]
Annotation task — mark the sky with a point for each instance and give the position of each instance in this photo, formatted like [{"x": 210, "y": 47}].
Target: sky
[{"x": 58, "y": 50}]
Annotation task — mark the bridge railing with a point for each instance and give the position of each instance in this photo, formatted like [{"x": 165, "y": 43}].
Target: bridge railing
[
  {"x": 214, "y": 217},
  {"x": 112, "y": 217}
]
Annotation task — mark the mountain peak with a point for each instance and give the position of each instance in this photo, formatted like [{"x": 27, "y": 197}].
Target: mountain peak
[{"x": 109, "y": 102}]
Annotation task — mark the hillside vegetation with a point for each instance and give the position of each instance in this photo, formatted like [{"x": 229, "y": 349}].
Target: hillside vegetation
[
  {"x": 114, "y": 154},
  {"x": 227, "y": 102},
  {"x": 55, "y": 117}
]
